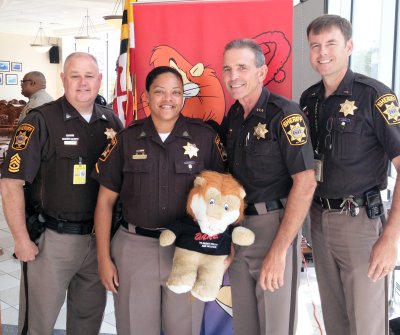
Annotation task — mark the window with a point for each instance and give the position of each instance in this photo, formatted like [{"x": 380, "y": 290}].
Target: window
[
  {"x": 106, "y": 51},
  {"x": 373, "y": 34}
]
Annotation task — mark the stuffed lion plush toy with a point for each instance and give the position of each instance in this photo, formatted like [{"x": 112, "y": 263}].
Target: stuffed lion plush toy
[{"x": 203, "y": 240}]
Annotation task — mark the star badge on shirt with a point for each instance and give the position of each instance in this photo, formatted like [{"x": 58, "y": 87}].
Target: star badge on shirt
[
  {"x": 110, "y": 133},
  {"x": 260, "y": 130},
  {"x": 190, "y": 150},
  {"x": 348, "y": 107}
]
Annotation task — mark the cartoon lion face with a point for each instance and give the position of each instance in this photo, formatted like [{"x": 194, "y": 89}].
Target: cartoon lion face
[
  {"x": 215, "y": 202},
  {"x": 202, "y": 91}
]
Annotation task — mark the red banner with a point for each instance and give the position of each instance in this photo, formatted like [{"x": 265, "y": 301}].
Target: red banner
[{"x": 191, "y": 36}]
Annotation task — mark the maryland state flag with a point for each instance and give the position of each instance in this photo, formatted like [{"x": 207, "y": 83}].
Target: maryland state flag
[{"x": 124, "y": 104}]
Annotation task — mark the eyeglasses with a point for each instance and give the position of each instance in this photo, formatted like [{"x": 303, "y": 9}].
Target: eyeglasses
[
  {"x": 24, "y": 80},
  {"x": 328, "y": 137}
]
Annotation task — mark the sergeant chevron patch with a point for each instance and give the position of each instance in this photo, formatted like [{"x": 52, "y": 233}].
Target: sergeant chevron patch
[{"x": 15, "y": 163}]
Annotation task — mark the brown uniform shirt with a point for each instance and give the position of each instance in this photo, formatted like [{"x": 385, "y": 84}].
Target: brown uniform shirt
[
  {"x": 268, "y": 147},
  {"x": 153, "y": 177},
  {"x": 356, "y": 130},
  {"x": 46, "y": 152}
]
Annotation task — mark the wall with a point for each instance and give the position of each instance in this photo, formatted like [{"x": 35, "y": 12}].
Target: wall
[
  {"x": 16, "y": 48},
  {"x": 303, "y": 74}
]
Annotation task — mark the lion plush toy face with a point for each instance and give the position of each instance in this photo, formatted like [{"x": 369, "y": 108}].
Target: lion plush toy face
[{"x": 215, "y": 202}]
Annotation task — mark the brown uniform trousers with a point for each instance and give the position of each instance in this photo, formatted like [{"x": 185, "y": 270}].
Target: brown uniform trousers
[
  {"x": 255, "y": 311},
  {"x": 65, "y": 262},
  {"x": 143, "y": 269},
  {"x": 351, "y": 303}
]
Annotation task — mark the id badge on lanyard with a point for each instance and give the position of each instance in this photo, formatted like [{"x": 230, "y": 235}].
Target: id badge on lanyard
[
  {"x": 79, "y": 177},
  {"x": 319, "y": 166}
]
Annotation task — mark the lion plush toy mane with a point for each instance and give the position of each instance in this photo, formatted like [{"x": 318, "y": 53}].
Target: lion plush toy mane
[{"x": 203, "y": 240}]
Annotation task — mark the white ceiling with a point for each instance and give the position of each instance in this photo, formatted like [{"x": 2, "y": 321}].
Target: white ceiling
[{"x": 59, "y": 18}]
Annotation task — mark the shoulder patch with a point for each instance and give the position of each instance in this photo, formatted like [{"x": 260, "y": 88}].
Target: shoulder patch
[
  {"x": 221, "y": 148},
  {"x": 15, "y": 163},
  {"x": 388, "y": 106},
  {"x": 22, "y": 136},
  {"x": 295, "y": 129},
  {"x": 110, "y": 146}
]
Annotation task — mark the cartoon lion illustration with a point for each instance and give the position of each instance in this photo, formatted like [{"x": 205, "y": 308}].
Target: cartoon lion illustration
[{"x": 203, "y": 94}]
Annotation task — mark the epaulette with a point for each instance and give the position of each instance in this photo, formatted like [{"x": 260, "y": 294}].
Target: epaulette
[
  {"x": 312, "y": 91},
  {"x": 136, "y": 123},
  {"x": 285, "y": 105},
  {"x": 200, "y": 122},
  {"x": 194, "y": 120},
  {"x": 371, "y": 82},
  {"x": 47, "y": 106}
]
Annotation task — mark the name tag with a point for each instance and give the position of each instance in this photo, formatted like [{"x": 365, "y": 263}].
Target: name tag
[{"x": 139, "y": 156}]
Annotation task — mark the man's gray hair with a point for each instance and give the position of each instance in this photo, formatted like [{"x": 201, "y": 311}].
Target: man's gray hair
[
  {"x": 247, "y": 43},
  {"x": 79, "y": 54}
]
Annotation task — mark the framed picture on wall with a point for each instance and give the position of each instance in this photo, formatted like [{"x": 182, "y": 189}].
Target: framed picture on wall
[
  {"x": 16, "y": 66},
  {"x": 1, "y": 79},
  {"x": 4, "y": 66},
  {"x": 11, "y": 79}
]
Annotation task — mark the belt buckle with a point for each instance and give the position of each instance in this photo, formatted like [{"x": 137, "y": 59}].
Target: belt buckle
[{"x": 60, "y": 227}]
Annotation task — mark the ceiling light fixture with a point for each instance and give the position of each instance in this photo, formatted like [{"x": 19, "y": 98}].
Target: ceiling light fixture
[
  {"x": 114, "y": 20},
  {"x": 41, "y": 43},
  {"x": 83, "y": 36}
]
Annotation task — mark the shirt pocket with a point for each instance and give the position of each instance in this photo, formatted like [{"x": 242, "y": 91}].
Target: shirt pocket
[
  {"x": 137, "y": 175},
  {"x": 185, "y": 172},
  {"x": 261, "y": 158},
  {"x": 346, "y": 136},
  {"x": 66, "y": 158}
]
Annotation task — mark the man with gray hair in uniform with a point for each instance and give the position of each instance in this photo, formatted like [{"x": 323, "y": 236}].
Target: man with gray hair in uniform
[
  {"x": 270, "y": 154},
  {"x": 52, "y": 153},
  {"x": 33, "y": 86}
]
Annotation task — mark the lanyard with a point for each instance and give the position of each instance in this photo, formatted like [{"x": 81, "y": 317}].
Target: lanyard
[{"x": 316, "y": 126}]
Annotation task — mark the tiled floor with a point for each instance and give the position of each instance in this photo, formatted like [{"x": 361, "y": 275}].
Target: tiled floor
[{"x": 9, "y": 293}]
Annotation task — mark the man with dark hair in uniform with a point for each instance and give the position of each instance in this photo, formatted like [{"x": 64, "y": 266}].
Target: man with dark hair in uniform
[
  {"x": 355, "y": 130},
  {"x": 151, "y": 165},
  {"x": 52, "y": 153},
  {"x": 270, "y": 154}
]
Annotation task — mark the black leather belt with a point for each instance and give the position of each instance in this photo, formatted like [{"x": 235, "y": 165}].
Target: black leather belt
[
  {"x": 68, "y": 227},
  {"x": 337, "y": 203},
  {"x": 154, "y": 233},
  {"x": 260, "y": 208}
]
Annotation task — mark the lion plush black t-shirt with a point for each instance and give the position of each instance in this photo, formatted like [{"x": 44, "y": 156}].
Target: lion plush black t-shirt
[{"x": 190, "y": 237}]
